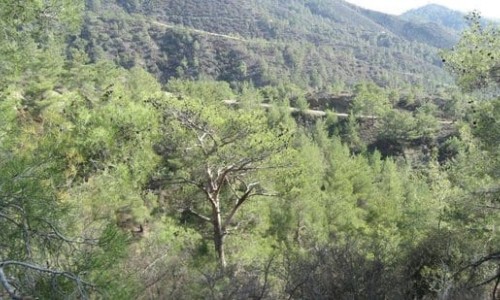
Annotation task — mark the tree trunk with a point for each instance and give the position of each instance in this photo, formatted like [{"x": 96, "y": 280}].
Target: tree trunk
[
  {"x": 219, "y": 248},
  {"x": 219, "y": 235}
]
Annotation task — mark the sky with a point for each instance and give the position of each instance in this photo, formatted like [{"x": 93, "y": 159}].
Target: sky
[{"x": 488, "y": 8}]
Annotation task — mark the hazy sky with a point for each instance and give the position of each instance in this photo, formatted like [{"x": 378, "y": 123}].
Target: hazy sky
[{"x": 488, "y": 8}]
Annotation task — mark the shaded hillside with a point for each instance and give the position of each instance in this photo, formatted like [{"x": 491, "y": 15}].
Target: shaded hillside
[{"x": 311, "y": 44}]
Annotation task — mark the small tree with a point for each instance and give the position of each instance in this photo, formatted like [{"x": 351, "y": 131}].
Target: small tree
[
  {"x": 223, "y": 155},
  {"x": 370, "y": 101},
  {"x": 398, "y": 126},
  {"x": 426, "y": 123}
]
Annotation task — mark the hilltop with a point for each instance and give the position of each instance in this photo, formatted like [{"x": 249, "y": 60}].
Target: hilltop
[{"x": 450, "y": 19}]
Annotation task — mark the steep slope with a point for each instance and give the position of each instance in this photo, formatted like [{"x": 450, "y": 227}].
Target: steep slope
[{"x": 310, "y": 43}]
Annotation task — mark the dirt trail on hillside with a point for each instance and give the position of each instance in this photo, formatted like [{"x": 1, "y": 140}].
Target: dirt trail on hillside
[
  {"x": 320, "y": 113},
  {"x": 225, "y": 36}
]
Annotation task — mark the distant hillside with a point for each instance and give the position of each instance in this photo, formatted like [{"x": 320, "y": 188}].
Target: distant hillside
[
  {"x": 428, "y": 33},
  {"x": 312, "y": 43},
  {"x": 448, "y": 18},
  {"x": 290, "y": 19}
]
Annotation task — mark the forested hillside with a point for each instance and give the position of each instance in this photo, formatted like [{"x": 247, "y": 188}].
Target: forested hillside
[
  {"x": 448, "y": 18},
  {"x": 438, "y": 14},
  {"x": 312, "y": 44},
  {"x": 128, "y": 172}
]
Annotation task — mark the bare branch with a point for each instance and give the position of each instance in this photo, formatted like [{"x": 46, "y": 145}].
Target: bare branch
[
  {"x": 489, "y": 280},
  {"x": 235, "y": 193},
  {"x": 202, "y": 145},
  {"x": 233, "y": 138},
  {"x": 7, "y": 286},
  {"x": 210, "y": 176},
  {"x": 154, "y": 262},
  {"x": 266, "y": 276},
  {"x": 239, "y": 202},
  {"x": 487, "y": 191},
  {"x": 222, "y": 176},
  {"x": 198, "y": 215},
  {"x": 256, "y": 168},
  {"x": 79, "y": 282},
  {"x": 238, "y": 167},
  {"x": 487, "y": 258},
  {"x": 490, "y": 206},
  {"x": 492, "y": 256},
  {"x": 186, "y": 121},
  {"x": 495, "y": 288},
  {"x": 263, "y": 194},
  {"x": 25, "y": 229},
  {"x": 67, "y": 240},
  {"x": 202, "y": 137},
  {"x": 191, "y": 182},
  {"x": 37, "y": 268},
  {"x": 9, "y": 219}
]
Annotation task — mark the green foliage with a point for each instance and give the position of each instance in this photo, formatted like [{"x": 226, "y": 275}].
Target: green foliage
[
  {"x": 212, "y": 91},
  {"x": 351, "y": 135},
  {"x": 476, "y": 166},
  {"x": 404, "y": 127},
  {"x": 302, "y": 104},
  {"x": 370, "y": 100},
  {"x": 112, "y": 188},
  {"x": 426, "y": 123},
  {"x": 475, "y": 59},
  {"x": 32, "y": 219},
  {"x": 78, "y": 153},
  {"x": 298, "y": 214},
  {"x": 399, "y": 126},
  {"x": 33, "y": 36}
]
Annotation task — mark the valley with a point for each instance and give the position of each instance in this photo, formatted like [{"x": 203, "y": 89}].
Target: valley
[{"x": 257, "y": 149}]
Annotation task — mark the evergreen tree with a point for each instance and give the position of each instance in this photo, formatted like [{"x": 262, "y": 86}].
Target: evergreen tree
[{"x": 220, "y": 156}]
